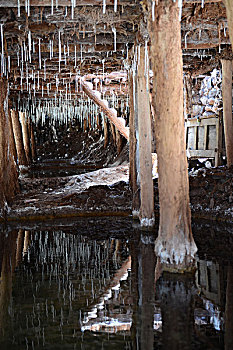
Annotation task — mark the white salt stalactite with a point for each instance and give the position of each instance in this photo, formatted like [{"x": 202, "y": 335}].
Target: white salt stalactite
[
  {"x": 28, "y": 9},
  {"x": 104, "y": 6},
  {"x": 202, "y": 3},
  {"x": 9, "y": 64},
  {"x": 2, "y": 56},
  {"x": 114, "y": 33},
  {"x": 75, "y": 56},
  {"x": 29, "y": 45},
  {"x": 180, "y": 4},
  {"x": 81, "y": 53},
  {"x": 115, "y": 5},
  {"x": 153, "y": 10},
  {"x": 59, "y": 43},
  {"x": 39, "y": 54},
  {"x": 18, "y": 8},
  {"x": 52, "y": 7}
]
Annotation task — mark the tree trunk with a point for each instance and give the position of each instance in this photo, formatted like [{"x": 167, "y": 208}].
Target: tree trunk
[
  {"x": 175, "y": 245},
  {"x": 22, "y": 160},
  {"x": 9, "y": 185},
  {"x": 144, "y": 133},
  {"x": 25, "y": 133},
  {"x": 227, "y": 108}
]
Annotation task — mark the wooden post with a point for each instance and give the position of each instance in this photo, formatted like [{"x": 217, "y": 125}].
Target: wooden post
[
  {"x": 9, "y": 185},
  {"x": 12, "y": 140},
  {"x": 174, "y": 246},
  {"x": 106, "y": 137},
  {"x": 25, "y": 133},
  {"x": 227, "y": 108},
  {"x": 32, "y": 137},
  {"x": 144, "y": 133},
  {"x": 133, "y": 146},
  {"x": 22, "y": 160}
]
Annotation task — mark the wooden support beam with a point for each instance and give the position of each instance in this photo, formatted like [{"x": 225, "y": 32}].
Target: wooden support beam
[
  {"x": 133, "y": 145},
  {"x": 147, "y": 218},
  {"x": 174, "y": 246},
  {"x": 8, "y": 171},
  {"x": 22, "y": 160},
  {"x": 227, "y": 108},
  {"x": 25, "y": 133},
  {"x": 111, "y": 113}
]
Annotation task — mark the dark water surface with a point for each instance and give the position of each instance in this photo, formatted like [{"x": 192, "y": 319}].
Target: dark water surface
[{"x": 89, "y": 284}]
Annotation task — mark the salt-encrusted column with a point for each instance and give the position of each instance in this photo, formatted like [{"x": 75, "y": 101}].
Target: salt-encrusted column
[
  {"x": 175, "y": 245},
  {"x": 22, "y": 160},
  {"x": 144, "y": 137},
  {"x": 8, "y": 170}
]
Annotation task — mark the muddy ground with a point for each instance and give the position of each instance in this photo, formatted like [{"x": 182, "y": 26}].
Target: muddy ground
[{"x": 55, "y": 185}]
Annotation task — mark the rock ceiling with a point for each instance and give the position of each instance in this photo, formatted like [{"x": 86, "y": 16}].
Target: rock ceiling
[{"x": 45, "y": 44}]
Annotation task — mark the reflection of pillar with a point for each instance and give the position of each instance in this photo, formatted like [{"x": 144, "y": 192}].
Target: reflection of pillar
[
  {"x": 177, "y": 307},
  {"x": 143, "y": 267},
  {"x": 19, "y": 246},
  {"x": 26, "y": 242},
  {"x": 229, "y": 311},
  {"x": 147, "y": 295},
  {"x": 7, "y": 267}
]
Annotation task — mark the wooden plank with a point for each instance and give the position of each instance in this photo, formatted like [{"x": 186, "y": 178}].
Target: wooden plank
[
  {"x": 201, "y": 153},
  {"x": 205, "y": 137},
  {"x": 41, "y": 3}
]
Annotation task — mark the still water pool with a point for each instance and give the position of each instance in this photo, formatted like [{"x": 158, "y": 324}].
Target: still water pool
[{"x": 89, "y": 284}]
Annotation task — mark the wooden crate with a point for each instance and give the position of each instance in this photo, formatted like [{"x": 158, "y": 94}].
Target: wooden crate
[{"x": 204, "y": 138}]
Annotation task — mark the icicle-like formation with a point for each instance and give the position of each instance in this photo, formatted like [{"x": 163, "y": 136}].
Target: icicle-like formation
[
  {"x": 18, "y": 8},
  {"x": 115, "y": 5},
  {"x": 114, "y": 33},
  {"x": 104, "y": 6},
  {"x": 59, "y": 44},
  {"x": 39, "y": 54},
  {"x": 52, "y": 7},
  {"x": 75, "y": 56},
  {"x": 9, "y": 64},
  {"x": 44, "y": 69},
  {"x": 28, "y": 10},
  {"x": 81, "y": 53},
  {"x": 29, "y": 45},
  {"x": 202, "y": 3},
  {"x": 2, "y": 56},
  {"x": 180, "y": 4},
  {"x": 153, "y": 10}
]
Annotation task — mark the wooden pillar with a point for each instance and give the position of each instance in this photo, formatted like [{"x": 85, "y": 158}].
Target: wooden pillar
[
  {"x": 32, "y": 137},
  {"x": 22, "y": 160},
  {"x": 119, "y": 141},
  {"x": 133, "y": 163},
  {"x": 25, "y": 133},
  {"x": 106, "y": 136},
  {"x": 175, "y": 245},
  {"x": 227, "y": 108},
  {"x": 113, "y": 132},
  {"x": 8, "y": 172},
  {"x": 12, "y": 140},
  {"x": 144, "y": 134}
]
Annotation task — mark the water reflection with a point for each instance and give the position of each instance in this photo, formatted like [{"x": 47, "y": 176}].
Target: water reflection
[{"x": 62, "y": 289}]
